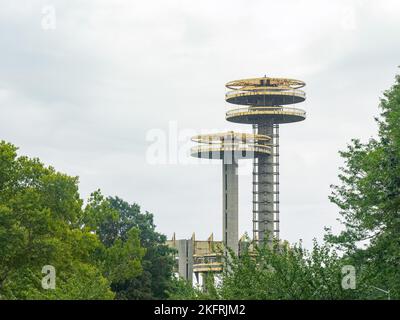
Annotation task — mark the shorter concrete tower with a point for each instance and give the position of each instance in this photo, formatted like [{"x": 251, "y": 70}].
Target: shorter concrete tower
[{"x": 230, "y": 147}]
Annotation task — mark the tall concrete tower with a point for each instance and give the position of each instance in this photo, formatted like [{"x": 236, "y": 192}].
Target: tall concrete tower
[
  {"x": 265, "y": 103},
  {"x": 230, "y": 147}
]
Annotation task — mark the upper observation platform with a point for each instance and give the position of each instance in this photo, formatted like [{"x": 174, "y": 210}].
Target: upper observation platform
[
  {"x": 265, "y": 91},
  {"x": 231, "y": 144}
]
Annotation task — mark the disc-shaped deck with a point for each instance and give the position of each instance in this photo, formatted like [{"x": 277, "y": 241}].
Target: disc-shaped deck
[
  {"x": 265, "y": 91},
  {"x": 231, "y": 145}
]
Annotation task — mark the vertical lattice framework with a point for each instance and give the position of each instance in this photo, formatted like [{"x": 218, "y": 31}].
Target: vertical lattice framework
[
  {"x": 275, "y": 154},
  {"x": 266, "y": 187},
  {"x": 265, "y": 99}
]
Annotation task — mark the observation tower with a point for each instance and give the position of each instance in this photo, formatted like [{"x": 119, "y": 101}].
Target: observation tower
[
  {"x": 264, "y": 104},
  {"x": 230, "y": 147}
]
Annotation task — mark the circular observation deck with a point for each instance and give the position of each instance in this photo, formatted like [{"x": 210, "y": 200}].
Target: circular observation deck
[
  {"x": 265, "y": 91},
  {"x": 230, "y": 144},
  {"x": 256, "y": 115}
]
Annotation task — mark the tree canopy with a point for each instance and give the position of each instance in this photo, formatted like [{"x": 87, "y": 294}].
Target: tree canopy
[
  {"x": 93, "y": 248},
  {"x": 369, "y": 200}
]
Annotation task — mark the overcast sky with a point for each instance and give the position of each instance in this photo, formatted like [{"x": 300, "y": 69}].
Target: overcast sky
[{"x": 85, "y": 90}]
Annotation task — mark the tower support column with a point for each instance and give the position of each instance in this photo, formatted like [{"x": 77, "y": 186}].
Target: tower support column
[
  {"x": 230, "y": 212},
  {"x": 185, "y": 253}
]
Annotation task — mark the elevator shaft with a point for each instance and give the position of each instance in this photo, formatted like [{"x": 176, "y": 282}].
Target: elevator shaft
[{"x": 266, "y": 187}]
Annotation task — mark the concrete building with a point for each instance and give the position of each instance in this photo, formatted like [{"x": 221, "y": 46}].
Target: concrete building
[{"x": 197, "y": 258}]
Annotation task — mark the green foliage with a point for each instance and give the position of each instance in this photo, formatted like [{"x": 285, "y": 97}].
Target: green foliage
[
  {"x": 40, "y": 213},
  {"x": 42, "y": 222},
  {"x": 123, "y": 258},
  {"x": 183, "y": 290},
  {"x": 369, "y": 199},
  {"x": 157, "y": 263},
  {"x": 121, "y": 254},
  {"x": 84, "y": 281},
  {"x": 281, "y": 272}
]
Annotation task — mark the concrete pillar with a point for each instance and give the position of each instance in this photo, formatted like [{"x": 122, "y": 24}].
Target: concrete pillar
[
  {"x": 230, "y": 212},
  {"x": 185, "y": 253},
  {"x": 266, "y": 189}
]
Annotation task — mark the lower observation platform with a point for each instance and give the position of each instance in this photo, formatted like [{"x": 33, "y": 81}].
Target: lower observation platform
[
  {"x": 231, "y": 145},
  {"x": 255, "y": 115}
]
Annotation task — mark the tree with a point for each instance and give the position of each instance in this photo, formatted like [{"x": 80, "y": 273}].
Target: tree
[
  {"x": 116, "y": 220},
  {"x": 121, "y": 254},
  {"x": 94, "y": 249},
  {"x": 82, "y": 282},
  {"x": 40, "y": 214},
  {"x": 369, "y": 200}
]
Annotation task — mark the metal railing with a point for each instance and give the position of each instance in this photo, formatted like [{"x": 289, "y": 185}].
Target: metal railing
[
  {"x": 207, "y": 267},
  {"x": 230, "y": 137},
  {"x": 230, "y": 147}
]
